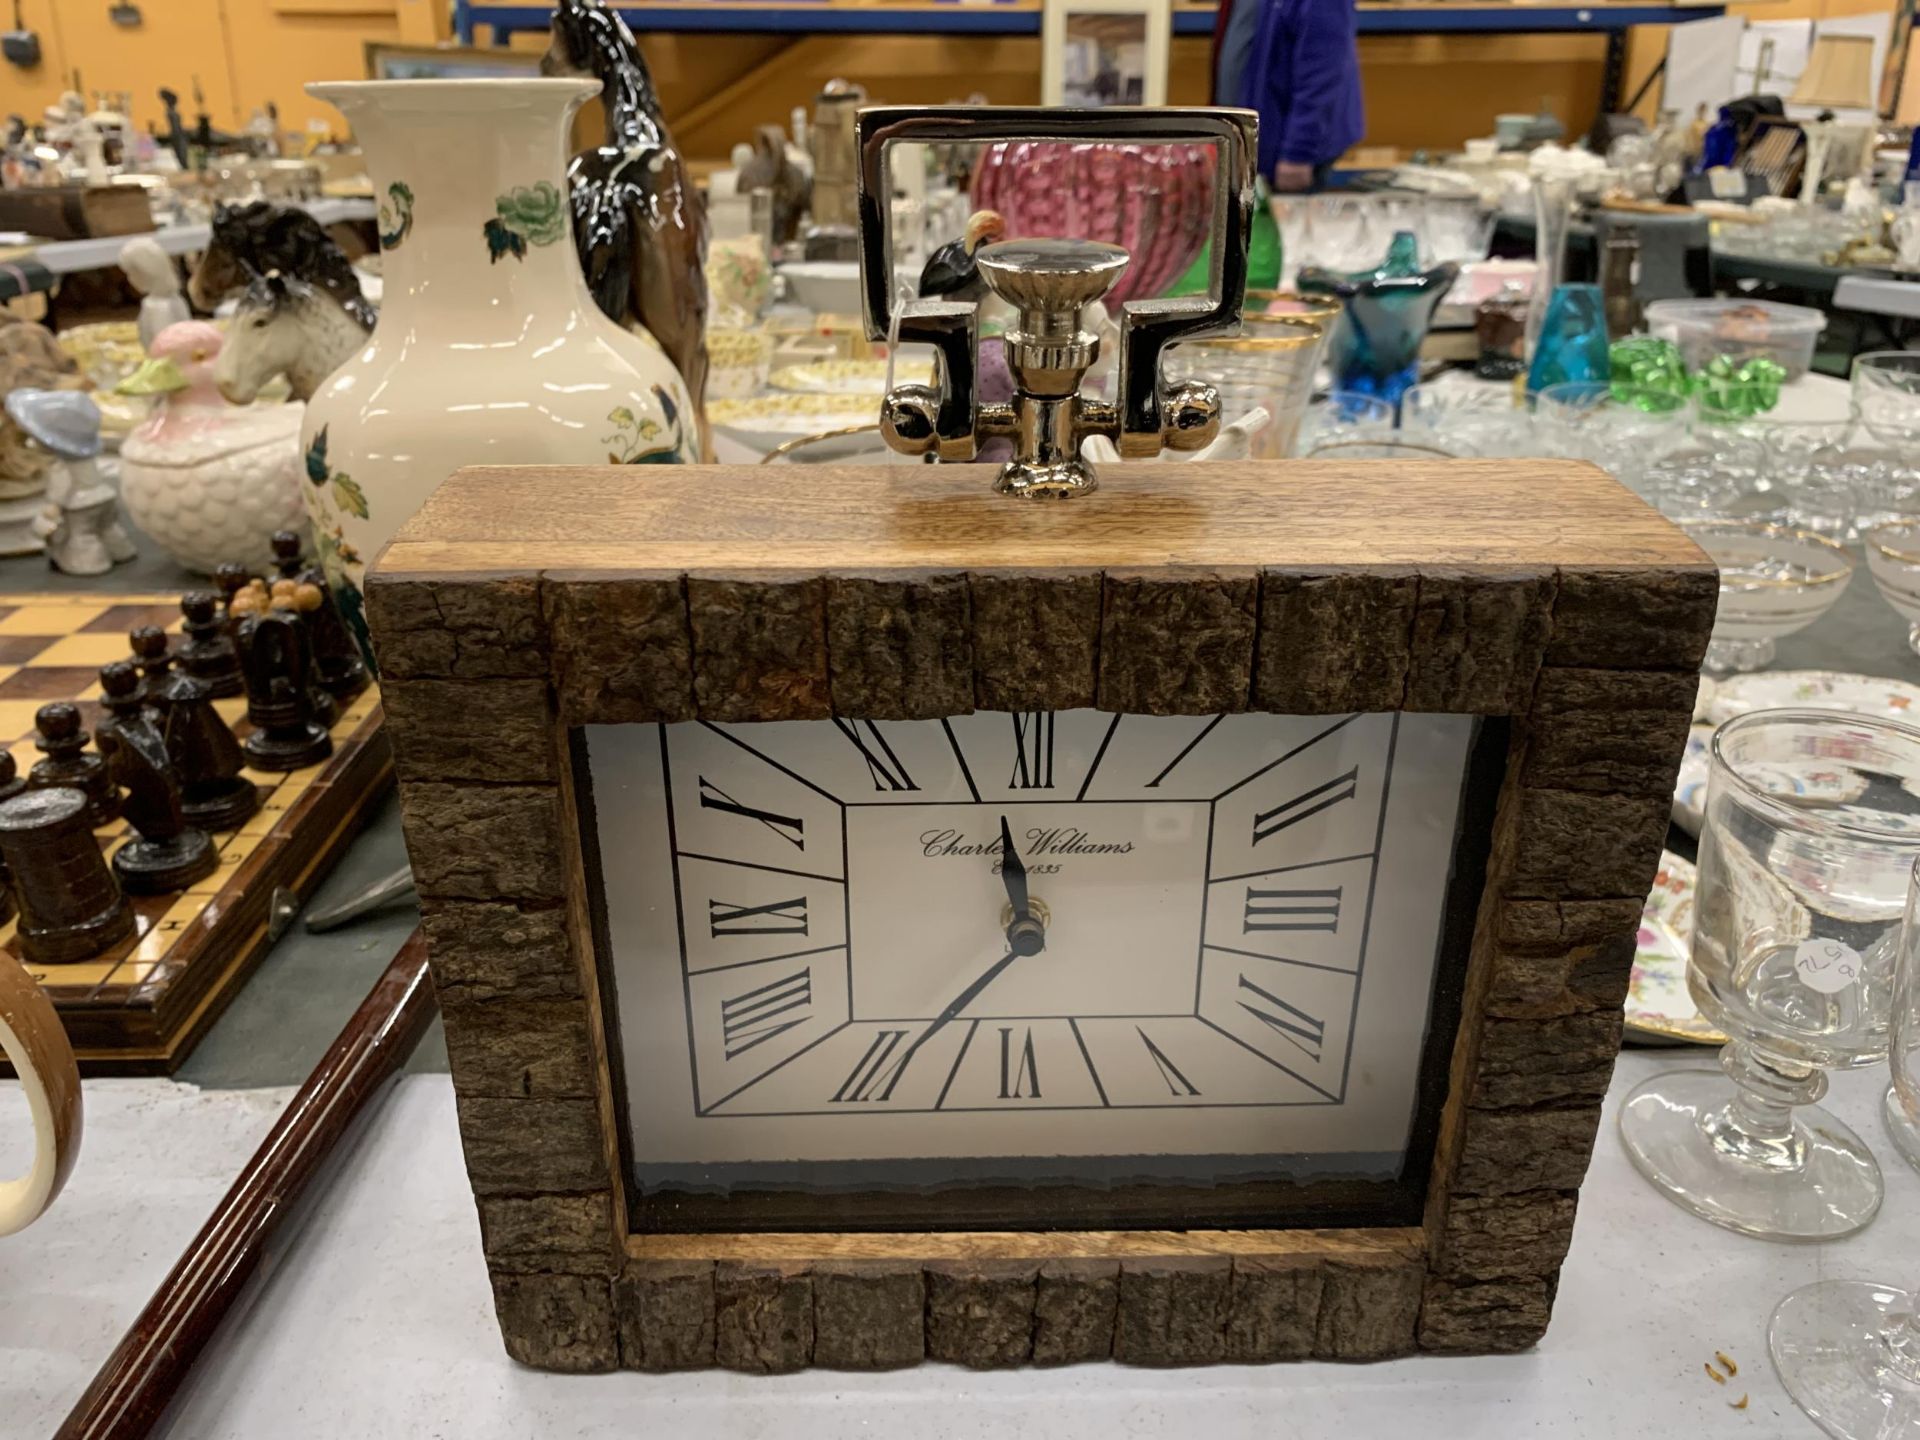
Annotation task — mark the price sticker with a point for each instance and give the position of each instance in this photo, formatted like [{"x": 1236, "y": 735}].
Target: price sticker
[{"x": 1826, "y": 965}]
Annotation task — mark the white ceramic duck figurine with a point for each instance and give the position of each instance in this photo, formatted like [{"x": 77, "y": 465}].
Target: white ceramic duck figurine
[{"x": 210, "y": 481}]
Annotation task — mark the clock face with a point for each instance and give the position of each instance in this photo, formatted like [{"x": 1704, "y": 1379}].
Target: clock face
[{"x": 1221, "y": 965}]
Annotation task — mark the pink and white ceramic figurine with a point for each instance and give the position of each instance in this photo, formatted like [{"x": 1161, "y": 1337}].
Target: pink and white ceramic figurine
[{"x": 209, "y": 480}]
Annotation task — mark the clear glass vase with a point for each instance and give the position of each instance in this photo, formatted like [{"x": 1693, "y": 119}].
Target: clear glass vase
[{"x": 1552, "y": 217}]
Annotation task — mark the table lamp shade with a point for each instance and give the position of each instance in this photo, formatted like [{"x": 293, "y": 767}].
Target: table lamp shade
[{"x": 1838, "y": 74}]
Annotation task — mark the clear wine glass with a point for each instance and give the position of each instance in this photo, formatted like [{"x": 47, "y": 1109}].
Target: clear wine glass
[
  {"x": 1848, "y": 1351},
  {"x": 1796, "y": 926}
]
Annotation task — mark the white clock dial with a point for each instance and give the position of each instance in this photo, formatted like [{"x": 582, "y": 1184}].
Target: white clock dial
[{"x": 1241, "y": 917}]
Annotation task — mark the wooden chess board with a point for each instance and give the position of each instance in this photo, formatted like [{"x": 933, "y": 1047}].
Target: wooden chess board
[{"x": 140, "y": 1007}]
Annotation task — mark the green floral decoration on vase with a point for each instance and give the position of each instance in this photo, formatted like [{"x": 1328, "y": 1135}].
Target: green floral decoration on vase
[
  {"x": 634, "y": 437},
  {"x": 530, "y": 215},
  {"x": 396, "y": 215}
]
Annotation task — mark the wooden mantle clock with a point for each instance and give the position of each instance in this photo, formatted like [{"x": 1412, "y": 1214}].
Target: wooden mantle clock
[{"x": 878, "y": 918}]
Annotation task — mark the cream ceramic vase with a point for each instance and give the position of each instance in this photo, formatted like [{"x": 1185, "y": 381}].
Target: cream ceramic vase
[{"x": 489, "y": 350}]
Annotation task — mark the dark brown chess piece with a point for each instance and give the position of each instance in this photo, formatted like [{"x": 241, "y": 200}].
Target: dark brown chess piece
[
  {"x": 153, "y": 653},
  {"x": 232, "y": 578},
  {"x": 12, "y": 782},
  {"x": 165, "y": 853},
  {"x": 203, "y": 750},
  {"x": 301, "y": 601},
  {"x": 206, "y": 652},
  {"x": 63, "y": 741},
  {"x": 273, "y": 656},
  {"x": 70, "y": 908},
  {"x": 336, "y": 657}
]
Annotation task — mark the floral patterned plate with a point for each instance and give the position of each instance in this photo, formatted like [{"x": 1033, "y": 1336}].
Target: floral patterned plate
[
  {"x": 765, "y": 421},
  {"x": 835, "y": 377},
  {"x": 1815, "y": 784},
  {"x": 1658, "y": 1004},
  {"x": 1814, "y": 690}
]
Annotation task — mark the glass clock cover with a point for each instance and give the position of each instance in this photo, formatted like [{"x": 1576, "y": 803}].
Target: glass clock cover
[{"x": 1243, "y": 926}]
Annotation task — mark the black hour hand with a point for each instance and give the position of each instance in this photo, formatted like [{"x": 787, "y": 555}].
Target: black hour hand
[{"x": 1026, "y": 935}]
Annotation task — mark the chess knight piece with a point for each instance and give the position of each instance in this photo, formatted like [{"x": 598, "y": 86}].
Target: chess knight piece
[
  {"x": 166, "y": 852},
  {"x": 70, "y": 909},
  {"x": 64, "y": 742},
  {"x": 203, "y": 750},
  {"x": 273, "y": 655},
  {"x": 336, "y": 656}
]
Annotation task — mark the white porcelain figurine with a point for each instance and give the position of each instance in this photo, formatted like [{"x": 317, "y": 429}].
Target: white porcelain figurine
[
  {"x": 150, "y": 271},
  {"x": 81, "y": 522}
]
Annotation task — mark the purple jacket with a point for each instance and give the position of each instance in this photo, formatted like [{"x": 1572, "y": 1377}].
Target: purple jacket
[{"x": 1303, "y": 76}]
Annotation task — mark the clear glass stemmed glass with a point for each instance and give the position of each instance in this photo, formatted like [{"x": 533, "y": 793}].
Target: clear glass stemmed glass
[
  {"x": 1797, "y": 922},
  {"x": 1848, "y": 1351}
]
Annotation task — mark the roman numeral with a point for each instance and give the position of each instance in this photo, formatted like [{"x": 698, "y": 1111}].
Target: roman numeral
[
  {"x": 782, "y": 917},
  {"x": 1176, "y": 1082},
  {"x": 1305, "y": 805},
  {"x": 872, "y": 1078},
  {"x": 1021, "y": 1080},
  {"x": 1032, "y": 750},
  {"x": 882, "y": 764},
  {"x": 1293, "y": 1025},
  {"x": 753, "y": 1018},
  {"x": 789, "y": 828},
  {"x": 1291, "y": 910}
]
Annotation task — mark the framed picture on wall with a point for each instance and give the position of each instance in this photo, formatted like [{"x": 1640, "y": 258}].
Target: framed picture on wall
[
  {"x": 1104, "y": 52},
  {"x": 447, "y": 62}
]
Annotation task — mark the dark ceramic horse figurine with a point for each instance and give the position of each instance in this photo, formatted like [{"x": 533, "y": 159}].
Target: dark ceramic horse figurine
[
  {"x": 262, "y": 238},
  {"x": 639, "y": 224}
]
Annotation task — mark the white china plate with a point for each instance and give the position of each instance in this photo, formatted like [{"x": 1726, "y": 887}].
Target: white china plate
[
  {"x": 765, "y": 421},
  {"x": 1814, "y": 690},
  {"x": 1659, "y": 1006},
  {"x": 834, "y": 377}
]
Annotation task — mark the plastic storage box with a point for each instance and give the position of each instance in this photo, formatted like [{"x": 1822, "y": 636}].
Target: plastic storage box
[{"x": 1740, "y": 328}]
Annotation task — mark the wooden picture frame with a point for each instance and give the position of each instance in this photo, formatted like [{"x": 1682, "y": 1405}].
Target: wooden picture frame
[
  {"x": 1088, "y": 54},
  {"x": 1538, "y": 591},
  {"x": 389, "y": 60}
]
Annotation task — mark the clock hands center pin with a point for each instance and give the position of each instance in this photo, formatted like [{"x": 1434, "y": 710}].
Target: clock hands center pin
[{"x": 1025, "y": 935}]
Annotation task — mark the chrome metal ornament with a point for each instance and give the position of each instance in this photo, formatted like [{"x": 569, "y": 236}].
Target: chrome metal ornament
[{"x": 1050, "y": 282}]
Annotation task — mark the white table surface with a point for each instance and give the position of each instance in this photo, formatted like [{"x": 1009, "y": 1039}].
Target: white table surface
[
  {"x": 379, "y": 1322},
  {"x": 63, "y": 257}
]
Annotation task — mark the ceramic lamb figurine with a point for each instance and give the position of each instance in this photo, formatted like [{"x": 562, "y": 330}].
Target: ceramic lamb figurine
[
  {"x": 81, "y": 523},
  {"x": 150, "y": 271}
]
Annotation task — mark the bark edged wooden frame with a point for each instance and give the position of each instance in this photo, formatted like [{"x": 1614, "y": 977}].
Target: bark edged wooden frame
[{"x": 522, "y": 603}]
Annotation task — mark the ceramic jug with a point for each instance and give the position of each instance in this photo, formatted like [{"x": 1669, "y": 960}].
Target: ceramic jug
[
  {"x": 36, "y": 1044},
  {"x": 489, "y": 349}
]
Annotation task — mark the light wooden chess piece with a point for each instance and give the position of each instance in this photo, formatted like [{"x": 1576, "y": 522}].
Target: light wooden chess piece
[{"x": 81, "y": 522}]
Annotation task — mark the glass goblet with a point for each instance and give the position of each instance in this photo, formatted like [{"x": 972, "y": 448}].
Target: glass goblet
[
  {"x": 1619, "y": 428},
  {"x": 1345, "y": 416},
  {"x": 1468, "y": 420},
  {"x": 1893, "y": 557},
  {"x": 1272, "y": 368},
  {"x": 1774, "y": 581},
  {"x": 1886, "y": 396},
  {"x": 1796, "y": 922},
  {"x": 1848, "y": 1351}
]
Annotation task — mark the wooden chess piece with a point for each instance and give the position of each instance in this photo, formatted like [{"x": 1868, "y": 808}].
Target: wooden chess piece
[
  {"x": 153, "y": 652},
  {"x": 165, "y": 853},
  {"x": 63, "y": 741},
  {"x": 336, "y": 657},
  {"x": 273, "y": 655},
  {"x": 291, "y": 596},
  {"x": 207, "y": 651},
  {"x": 70, "y": 908},
  {"x": 201, "y": 747},
  {"x": 232, "y": 578},
  {"x": 12, "y": 782}
]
